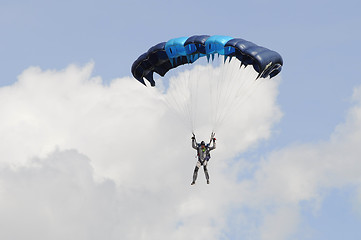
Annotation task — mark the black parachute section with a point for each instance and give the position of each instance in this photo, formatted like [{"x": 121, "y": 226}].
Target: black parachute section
[
  {"x": 154, "y": 60},
  {"x": 264, "y": 61}
]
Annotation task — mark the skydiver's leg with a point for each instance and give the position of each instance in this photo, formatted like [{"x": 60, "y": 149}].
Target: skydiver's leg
[
  {"x": 195, "y": 173},
  {"x": 206, "y": 172}
]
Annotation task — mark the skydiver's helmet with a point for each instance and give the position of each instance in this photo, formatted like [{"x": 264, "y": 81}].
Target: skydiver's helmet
[{"x": 203, "y": 144}]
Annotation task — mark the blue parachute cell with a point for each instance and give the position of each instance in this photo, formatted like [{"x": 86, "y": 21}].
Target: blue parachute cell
[
  {"x": 178, "y": 51},
  {"x": 215, "y": 44},
  {"x": 175, "y": 47}
]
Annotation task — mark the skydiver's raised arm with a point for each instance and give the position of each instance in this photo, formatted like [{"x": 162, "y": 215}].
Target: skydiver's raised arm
[
  {"x": 194, "y": 143},
  {"x": 214, "y": 144}
]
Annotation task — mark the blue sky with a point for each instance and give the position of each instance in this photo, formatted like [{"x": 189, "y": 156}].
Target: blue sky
[{"x": 318, "y": 40}]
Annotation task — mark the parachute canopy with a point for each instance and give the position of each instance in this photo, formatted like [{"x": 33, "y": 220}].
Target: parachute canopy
[{"x": 178, "y": 51}]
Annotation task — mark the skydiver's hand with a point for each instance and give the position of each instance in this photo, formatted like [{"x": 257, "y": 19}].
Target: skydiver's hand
[{"x": 193, "y": 138}]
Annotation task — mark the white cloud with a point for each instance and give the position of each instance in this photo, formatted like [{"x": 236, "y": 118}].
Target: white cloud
[
  {"x": 130, "y": 172},
  {"x": 123, "y": 133},
  {"x": 304, "y": 173},
  {"x": 56, "y": 198}
]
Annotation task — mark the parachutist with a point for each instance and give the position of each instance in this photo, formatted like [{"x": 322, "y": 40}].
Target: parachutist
[{"x": 203, "y": 154}]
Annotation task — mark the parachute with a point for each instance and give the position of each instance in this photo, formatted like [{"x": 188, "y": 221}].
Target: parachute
[
  {"x": 178, "y": 51},
  {"x": 243, "y": 66}
]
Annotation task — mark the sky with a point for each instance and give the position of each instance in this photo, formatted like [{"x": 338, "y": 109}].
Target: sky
[{"x": 86, "y": 152}]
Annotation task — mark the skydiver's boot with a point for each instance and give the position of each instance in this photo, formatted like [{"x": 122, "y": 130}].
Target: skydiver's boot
[
  {"x": 195, "y": 173},
  {"x": 206, "y": 173}
]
